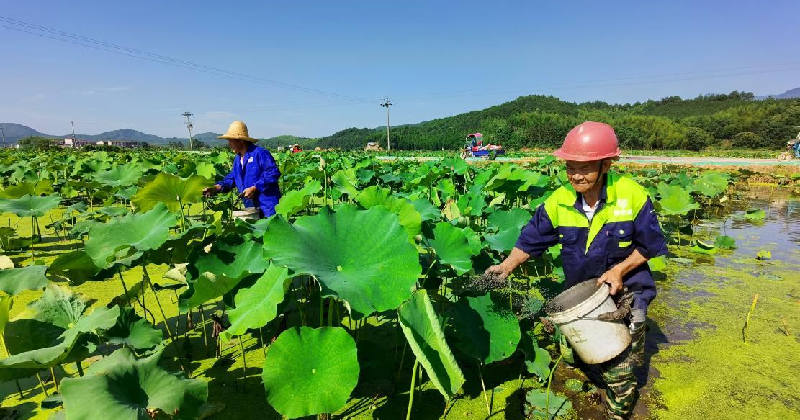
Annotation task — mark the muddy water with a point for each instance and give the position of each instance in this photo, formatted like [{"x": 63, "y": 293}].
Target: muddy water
[{"x": 698, "y": 365}]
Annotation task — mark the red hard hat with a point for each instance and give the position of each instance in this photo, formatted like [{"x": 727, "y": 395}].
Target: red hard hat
[{"x": 589, "y": 141}]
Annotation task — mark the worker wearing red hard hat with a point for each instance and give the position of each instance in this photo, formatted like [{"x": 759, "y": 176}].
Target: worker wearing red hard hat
[{"x": 607, "y": 228}]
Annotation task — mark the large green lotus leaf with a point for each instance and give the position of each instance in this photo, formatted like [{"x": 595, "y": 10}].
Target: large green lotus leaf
[
  {"x": 310, "y": 371},
  {"x": 473, "y": 202},
  {"x": 120, "y": 175},
  {"x": 711, "y": 184},
  {"x": 258, "y": 304},
  {"x": 675, "y": 201},
  {"x": 404, "y": 209},
  {"x": 502, "y": 241},
  {"x": 130, "y": 389},
  {"x": 211, "y": 275},
  {"x": 345, "y": 182},
  {"x": 171, "y": 190},
  {"x": 15, "y": 280},
  {"x": 452, "y": 247},
  {"x": 295, "y": 201},
  {"x": 28, "y": 206},
  {"x": 141, "y": 232},
  {"x": 421, "y": 327},
  {"x": 29, "y": 188},
  {"x": 100, "y": 319},
  {"x": 484, "y": 329},
  {"x": 76, "y": 267},
  {"x": 513, "y": 219},
  {"x": 725, "y": 242},
  {"x": 361, "y": 256},
  {"x": 427, "y": 211},
  {"x": 134, "y": 331},
  {"x": 59, "y": 307},
  {"x": 474, "y": 240}
]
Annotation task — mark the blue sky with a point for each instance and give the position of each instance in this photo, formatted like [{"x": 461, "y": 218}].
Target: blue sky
[{"x": 433, "y": 58}]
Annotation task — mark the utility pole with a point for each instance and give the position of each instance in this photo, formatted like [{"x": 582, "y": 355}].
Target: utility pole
[
  {"x": 386, "y": 104},
  {"x": 189, "y": 125},
  {"x": 4, "y": 136}
]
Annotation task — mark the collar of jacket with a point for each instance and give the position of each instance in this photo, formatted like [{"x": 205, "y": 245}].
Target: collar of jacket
[{"x": 567, "y": 196}]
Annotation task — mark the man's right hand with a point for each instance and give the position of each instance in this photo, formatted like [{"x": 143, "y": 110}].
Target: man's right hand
[
  {"x": 499, "y": 271},
  {"x": 209, "y": 191}
]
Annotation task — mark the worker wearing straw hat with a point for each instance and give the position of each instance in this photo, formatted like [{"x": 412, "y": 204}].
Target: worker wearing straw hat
[{"x": 255, "y": 173}]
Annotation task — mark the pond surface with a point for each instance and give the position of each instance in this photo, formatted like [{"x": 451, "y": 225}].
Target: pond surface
[{"x": 699, "y": 365}]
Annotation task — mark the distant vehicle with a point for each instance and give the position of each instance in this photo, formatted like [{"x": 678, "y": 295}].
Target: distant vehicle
[
  {"x": 474, "y": 147},
  {"x": 372, "y": 147},
  {"x": 792, "y": 149}
]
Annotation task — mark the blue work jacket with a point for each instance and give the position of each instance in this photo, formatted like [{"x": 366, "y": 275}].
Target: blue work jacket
[
  {"x": 624, "y": 220},
  {"x": 259, "y": 170}
]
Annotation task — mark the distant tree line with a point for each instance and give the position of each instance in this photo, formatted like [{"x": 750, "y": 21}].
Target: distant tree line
[{"x": 732, "y": 120}]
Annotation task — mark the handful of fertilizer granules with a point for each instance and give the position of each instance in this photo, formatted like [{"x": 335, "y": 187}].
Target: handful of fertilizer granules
[{"x": 515, "y": 292}]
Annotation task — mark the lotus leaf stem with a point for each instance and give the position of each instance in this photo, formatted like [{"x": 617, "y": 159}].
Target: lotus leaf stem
[
  {"x": 549, "y": 382},
  {"x": 80, "y": 368},
  {"x": 244, "y": 363},
  {"x": 483, "y": 386},
  {"x": 55, "y": 379},
  {"x": 747, "y": 320},
  {"x": 41, "y": 384},
  {"x": 411, "y": 389}
]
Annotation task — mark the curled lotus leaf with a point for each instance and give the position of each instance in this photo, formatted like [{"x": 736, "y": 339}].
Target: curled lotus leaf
[
  {"x": 361, "y": 256},
  {"x": 121, "y": 387},
  {"x": 404, "y": 209},
  {"x": 310, "y": 371},
  {"x": 120, "y": 175},
  {"x": 134, "y": 331},
  {"x": 421, "y": 327},
  {"x": 675, "y": 200},
  {"x": 295, "y": 201}
]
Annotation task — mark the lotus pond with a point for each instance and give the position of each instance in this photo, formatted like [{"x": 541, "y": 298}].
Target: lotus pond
[{"x": 125, "y": 294}]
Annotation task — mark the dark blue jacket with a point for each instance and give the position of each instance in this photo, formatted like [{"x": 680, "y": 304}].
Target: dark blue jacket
[
  {"x": 624, "y": 220},
  {"x": 259, "y": 170}
]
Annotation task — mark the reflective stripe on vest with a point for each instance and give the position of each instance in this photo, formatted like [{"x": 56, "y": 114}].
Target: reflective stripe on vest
[{"x": 624, "y": 199}]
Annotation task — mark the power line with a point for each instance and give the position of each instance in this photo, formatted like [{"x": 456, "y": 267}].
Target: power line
[{"x": 72, "y": 38}]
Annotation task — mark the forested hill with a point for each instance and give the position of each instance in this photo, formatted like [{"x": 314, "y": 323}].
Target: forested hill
[{"x": 732, "y": 120}]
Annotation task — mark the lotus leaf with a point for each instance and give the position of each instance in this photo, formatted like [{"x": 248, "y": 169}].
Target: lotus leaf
[
  {"x": 427, "y": 211},
  {"x": 59, "y": 307},
  {"x": 502, "y": 241},
  {"x": 140, "y": 232},
  {"x": 120, "y": 175},
  {"x": 658, "y": 264},
  {"x": 173, "y": 191},
  {"x": 485, "y": 330},
  {"x": 361, "y": 256},
  {"x": 513, "y": 219},
  {"x": 27, "y": 188},
  {"x": 310, "y": 371},
  {"x": 15, "y": 280},
  {"x": 421, "y": 327},
  {"x": 711, "y": 184},
  {"x": 538, "y": 405},
  {"x": 725, "y": 242},
  {"x": 212, "y": 274},
  {"x": 295, "y": 201},
  {"x": 134, "y": 331},
  {"x": 258, "y": 304},
  {"x": 100, "y": 319},
  {"x": 345, "y": 182},
  {"x": 122, "y": 388},
  {"x": 404, "y": 209},
  {"x": 473, "y": 203},
  {"x": 756, "y": 214},
  {"x": 29, "y": 206},
  {"x": 764, "y": 255},
  {"x": 675, "y": 201},
  {"x": 452, "y": 247},
  {"x": 5, "y": 308},
  {"x": 701, "y": 247}
]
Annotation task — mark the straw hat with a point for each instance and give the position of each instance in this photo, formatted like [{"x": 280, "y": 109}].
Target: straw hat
[{"x": 237, "y": 131}]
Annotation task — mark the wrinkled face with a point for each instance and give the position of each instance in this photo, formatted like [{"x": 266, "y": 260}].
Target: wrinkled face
[
  {"x": 236, "y": 145},
  {"x": 584, "y": 175}
]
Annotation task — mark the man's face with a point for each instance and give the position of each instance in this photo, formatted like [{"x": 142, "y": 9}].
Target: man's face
[
  {"x": 583, "y": 175},
  {"x": 235, "y": 145}
]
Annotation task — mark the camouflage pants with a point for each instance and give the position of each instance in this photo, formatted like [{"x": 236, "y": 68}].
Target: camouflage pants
[{"x": 619, "y": 377}]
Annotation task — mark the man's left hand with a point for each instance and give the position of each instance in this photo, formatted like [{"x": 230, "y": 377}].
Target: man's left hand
[
  {"x": 613, "y": 278},
  {"x": 248, "y": 192}
]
